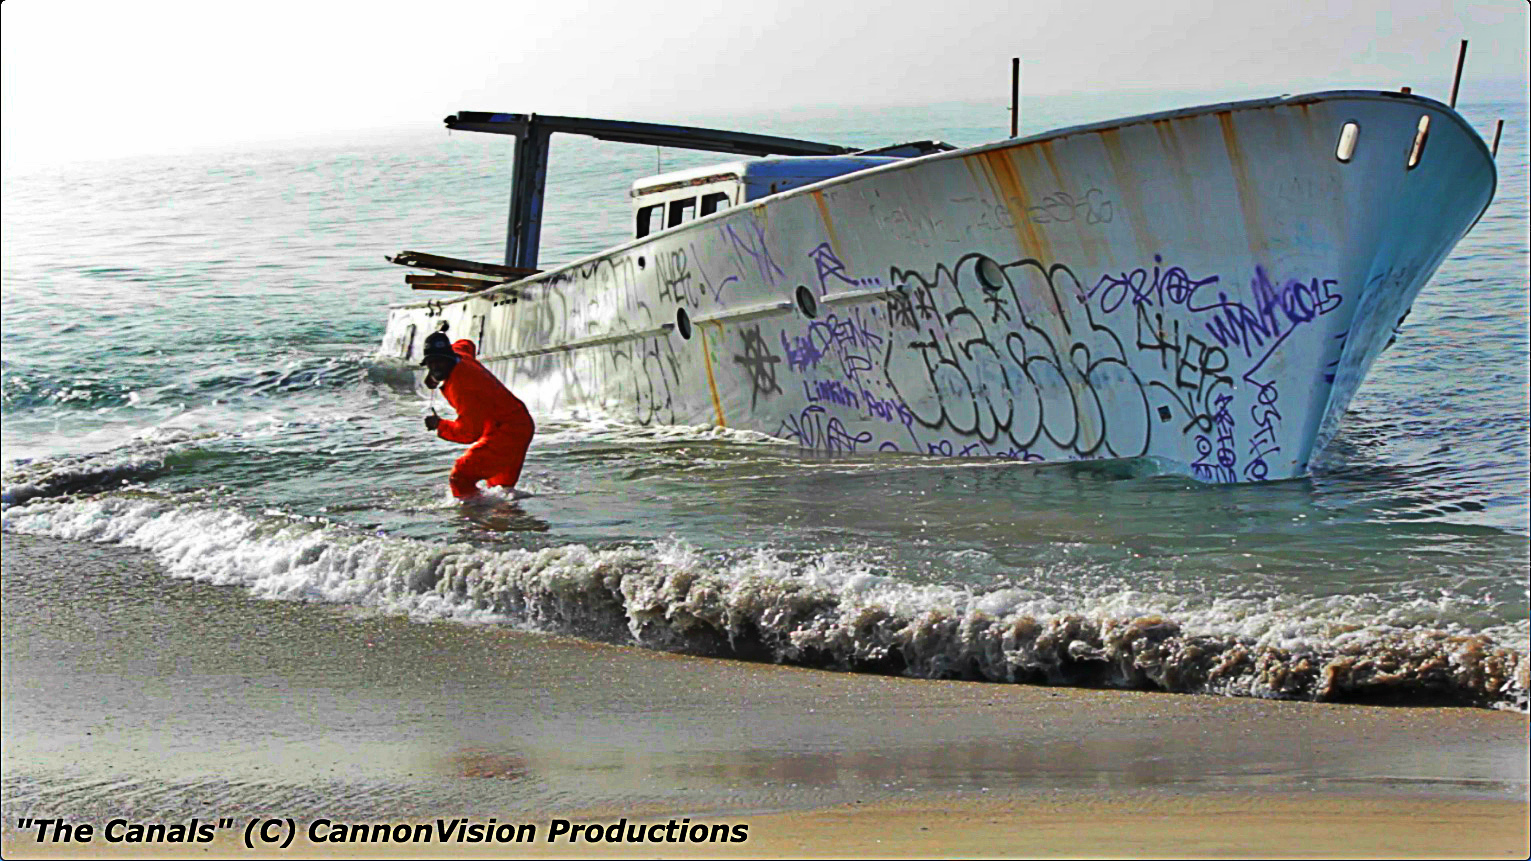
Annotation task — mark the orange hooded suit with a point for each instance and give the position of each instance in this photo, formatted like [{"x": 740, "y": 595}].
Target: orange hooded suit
[{"x": 489, "y": 417}]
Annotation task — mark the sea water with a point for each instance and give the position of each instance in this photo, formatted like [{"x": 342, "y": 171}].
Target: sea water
[{"x": 189, "y": 368}]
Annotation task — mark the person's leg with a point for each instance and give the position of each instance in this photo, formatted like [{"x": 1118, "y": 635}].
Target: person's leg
[
  {"x": 477, "y": 463},
  {"x": 510, "y": 451}
]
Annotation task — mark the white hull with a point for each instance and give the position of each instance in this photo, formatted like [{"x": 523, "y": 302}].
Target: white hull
[{"x": 1206, "y": 287}]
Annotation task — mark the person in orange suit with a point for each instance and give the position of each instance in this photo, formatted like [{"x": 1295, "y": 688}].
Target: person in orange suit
[{"x": 494, "y": 422}]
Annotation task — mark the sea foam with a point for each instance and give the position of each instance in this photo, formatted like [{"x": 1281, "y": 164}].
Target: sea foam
[{"x": 827, "y": 610}]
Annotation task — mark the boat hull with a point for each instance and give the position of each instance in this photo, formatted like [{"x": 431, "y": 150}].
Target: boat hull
[{"x": 1207, "y": 288}]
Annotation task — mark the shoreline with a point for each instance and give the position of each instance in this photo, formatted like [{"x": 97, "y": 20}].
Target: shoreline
[
  {"x": 1152, "y": 825},
  {"x": 134, "y": 695}
]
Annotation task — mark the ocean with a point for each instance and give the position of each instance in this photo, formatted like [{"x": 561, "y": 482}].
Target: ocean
[{"x": 189, "y": 370}]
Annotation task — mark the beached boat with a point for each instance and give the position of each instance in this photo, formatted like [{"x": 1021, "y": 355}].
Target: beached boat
[{"x": 1204, "y": 287}]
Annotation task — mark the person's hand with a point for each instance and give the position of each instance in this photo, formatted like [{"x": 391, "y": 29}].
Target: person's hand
[{"x": 431, "y": 421}]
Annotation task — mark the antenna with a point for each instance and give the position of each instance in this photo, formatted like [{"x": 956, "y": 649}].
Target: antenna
[
  {"x": 1456, "y": 83},
  {"x": 1015, "y": 96}
]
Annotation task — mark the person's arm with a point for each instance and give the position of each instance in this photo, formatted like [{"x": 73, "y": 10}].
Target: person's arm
[{"x": 468, "y": 426}]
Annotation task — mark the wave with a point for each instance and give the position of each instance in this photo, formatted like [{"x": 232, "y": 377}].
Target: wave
[
  {"x": 140, "y": 459},
  {"x": 826, "y": 610},
  {"x": 31, "y": 387},
  {"x": 578, "y": 428}
]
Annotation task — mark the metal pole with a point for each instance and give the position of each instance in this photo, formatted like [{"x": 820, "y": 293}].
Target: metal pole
[
  {"x": 1498, "y": 130},
  {"x": 1457, "y": 83},
  {"x": 1015, "y": 96}
]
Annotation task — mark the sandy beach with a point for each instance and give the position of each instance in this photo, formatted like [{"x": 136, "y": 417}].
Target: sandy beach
[{"x": 139, "y": 697}]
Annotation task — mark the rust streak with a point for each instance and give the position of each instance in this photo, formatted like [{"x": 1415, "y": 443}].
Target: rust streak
[
  {"x": 1046, "y": 148},
  {"x": 712, "y": 384},
  {"x": 1127, "y": 191},
  {"x": 829, "y": 225},
  {"x": 1243, "y": 186},
  {"x": 1012, "y": 192},
  {"x": 1016, "y": 199},
  {"x": 1033, "y": 157},
  {"x": 1185, "y": 183}
]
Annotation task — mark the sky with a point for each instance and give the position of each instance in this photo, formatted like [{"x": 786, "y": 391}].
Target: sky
[{"x": 92, "y": 79}]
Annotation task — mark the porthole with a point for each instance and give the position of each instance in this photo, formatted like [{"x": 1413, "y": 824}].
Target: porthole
[
  {"x": 807, "y": 303},
  {"x": 683, "y": 323},
  {"x": 1420, "y": 136},
  {"x": 640, "y": 261},
  {"x": 1349, "y": 133},
  {"x": 990, "y": 275}
]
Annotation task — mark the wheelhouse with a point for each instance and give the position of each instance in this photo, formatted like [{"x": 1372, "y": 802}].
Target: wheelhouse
[{"x": 672, "y": 199}]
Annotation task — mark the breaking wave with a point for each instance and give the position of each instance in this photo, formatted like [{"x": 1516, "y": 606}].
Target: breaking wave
[
  {"x": 587, "y": 430},
  {"x": 141, "y": 459},
  {"x": 827, "y": 610},
  {"x": 29, "y": 386}
]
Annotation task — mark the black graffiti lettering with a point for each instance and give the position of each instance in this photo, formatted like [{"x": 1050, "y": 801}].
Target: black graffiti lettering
[
  {"x": 900, "y": 310},
  {"x": 760, "y": 363},
  {"x": 675, "y": 279},
  {"x": 1062, "y": 207},
  {"x": 815, "y": 428},
  {"x": 1020, "y": 383}
]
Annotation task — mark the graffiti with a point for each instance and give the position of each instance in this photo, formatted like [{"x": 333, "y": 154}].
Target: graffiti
[
  {"x": 1332, "y": 367},
  {"x": 841, "y": 350},
  {"x": 849, "y": 341},
  {"x": 888, "y": 410},
  {"x": 1262, "y": 442},
  {"x": 751, "y": 245},
  {"x": 830, "y": 391},
  {"x": 1047, "y": 375},
  {"x": 1298, "y": 302},
  {"x": 1164, "y": 287},
  {"x": 1221, "y": 469},
  {"x": 1196, "y": 367},
  {"x": 817, "y": 429},
  {"x": 1255, "y": 329},
  {"x": 760, "y": 363},
  {"x": 960, "y": 354},
  {"x": 675, "y": 279},
  {"x": 997, "y": 303},
  {"x": 910, "y": 306},
  {"x": 1062, "y": 207},
  {"x": 851, "y": 336},
  {"x": 653, "y": 372},
  {"x": 802, "y": 352},
  {"x": 995, "y": 217},
  {"x": 902, "y": 226},
  {"x": 900, "y": 310},
  {"x": 1236, "y": 324},
  {"x": 828, "y": 267}
]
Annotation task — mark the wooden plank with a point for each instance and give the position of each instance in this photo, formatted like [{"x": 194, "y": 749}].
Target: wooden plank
[
  {"x": 448, "y": 282},
  {"x": 421, "y": 260}
]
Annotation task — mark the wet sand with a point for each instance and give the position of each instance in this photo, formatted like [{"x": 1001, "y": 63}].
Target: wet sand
[{"x": 128, "y": 694}]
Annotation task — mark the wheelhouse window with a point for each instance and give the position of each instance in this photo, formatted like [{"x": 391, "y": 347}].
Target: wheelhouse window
[
  {"x": 650, "y": 220},
  {"x": 681, "y": 211},
  {"x": 715, "y": 202}
]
